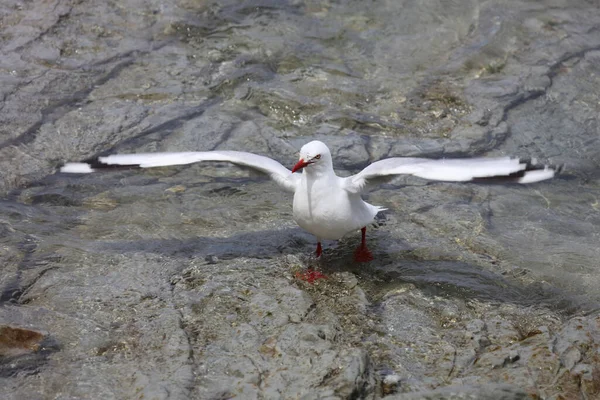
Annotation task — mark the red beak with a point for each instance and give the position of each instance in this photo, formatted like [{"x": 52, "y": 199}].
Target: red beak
[{"x": 299, "y": 165}]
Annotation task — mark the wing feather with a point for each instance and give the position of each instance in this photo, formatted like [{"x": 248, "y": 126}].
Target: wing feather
[
  {"x": 453, "y": 170},
  {"x": 280, "y": 174}
]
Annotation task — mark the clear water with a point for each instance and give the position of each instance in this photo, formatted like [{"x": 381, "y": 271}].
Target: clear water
[{"x": 372, "y": 79}]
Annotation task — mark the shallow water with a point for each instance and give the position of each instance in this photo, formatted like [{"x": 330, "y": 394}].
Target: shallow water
[{"x": 371, "y": 79}]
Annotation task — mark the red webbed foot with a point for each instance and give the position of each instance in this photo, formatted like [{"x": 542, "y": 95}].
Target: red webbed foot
[{"x": 310, "y": 275}]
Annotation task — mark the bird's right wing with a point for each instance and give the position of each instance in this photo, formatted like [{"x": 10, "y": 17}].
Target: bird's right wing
[
  {"x": 498, "y": 169},
  {"x": 280, "y": 174}
]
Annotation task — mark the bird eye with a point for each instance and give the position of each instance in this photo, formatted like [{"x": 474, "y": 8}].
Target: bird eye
[{"x": 318, "y": 156}]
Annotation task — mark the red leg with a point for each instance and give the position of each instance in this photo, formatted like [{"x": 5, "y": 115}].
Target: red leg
[
  {"x": 362, "y": 253},
  {"x": 319, "y": 249}
]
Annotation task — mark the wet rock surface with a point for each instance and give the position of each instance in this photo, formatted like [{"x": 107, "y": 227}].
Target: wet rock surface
[{"x": 183, "y": 282}]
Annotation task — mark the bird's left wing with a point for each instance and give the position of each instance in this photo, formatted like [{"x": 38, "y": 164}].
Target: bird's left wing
[
  {"x": 501, "y": 169},
  {"x": 280, "y": 174}
]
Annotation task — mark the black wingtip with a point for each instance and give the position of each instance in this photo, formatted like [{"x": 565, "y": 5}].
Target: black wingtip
[
  {"x": 516, "y": 177},
  {"x": 92, "y": 165},
  {"x": 96, "y": 164}
]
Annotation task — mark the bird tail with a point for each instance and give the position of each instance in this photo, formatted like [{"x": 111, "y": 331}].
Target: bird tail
[{"x": 376, "y": 209}]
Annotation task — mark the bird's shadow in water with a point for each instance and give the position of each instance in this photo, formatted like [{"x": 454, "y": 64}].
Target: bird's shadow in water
[
  {"x": 449, "y": 278},
  {"x": 264, "y": 244}
]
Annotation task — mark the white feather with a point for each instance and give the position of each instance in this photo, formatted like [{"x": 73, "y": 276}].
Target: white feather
[
  {"x": 537, "y": 175},
  {"x": 457, "y": 170},
  {"x": 275, "y": 170},
  {"x": 76, "y": 168}
]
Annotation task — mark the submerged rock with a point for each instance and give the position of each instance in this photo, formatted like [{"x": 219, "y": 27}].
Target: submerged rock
[
  {"x": 18, "y": 341},
  {"x": 182, "y": 282}
]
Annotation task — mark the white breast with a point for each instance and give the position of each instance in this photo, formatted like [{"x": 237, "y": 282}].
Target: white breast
[{"x": 324, "y": 209}]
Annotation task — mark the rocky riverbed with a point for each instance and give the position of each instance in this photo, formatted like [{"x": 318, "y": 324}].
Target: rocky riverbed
[{"x": 181, "y": 282}]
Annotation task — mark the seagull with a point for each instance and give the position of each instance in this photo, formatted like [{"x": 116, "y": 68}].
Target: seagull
[{"x": 329, "y": 206}]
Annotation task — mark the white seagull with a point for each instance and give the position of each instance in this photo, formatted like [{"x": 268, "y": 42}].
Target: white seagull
[{"x": 326, "y": 205}]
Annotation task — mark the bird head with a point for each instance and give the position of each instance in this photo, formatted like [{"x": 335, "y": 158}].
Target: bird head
[{"x": 315, "y": 155}]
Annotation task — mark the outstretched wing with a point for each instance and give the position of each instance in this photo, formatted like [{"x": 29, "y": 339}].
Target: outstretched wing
[
  {"x": 502, "y": 169},
  {"x": 280, "y": 174}
]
